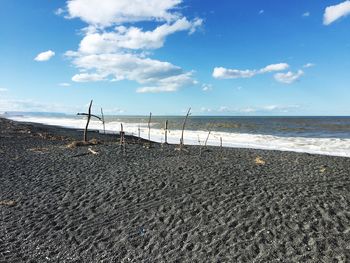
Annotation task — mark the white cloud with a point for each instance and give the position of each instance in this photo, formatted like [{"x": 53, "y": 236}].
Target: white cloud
[
  {"x": 306, "y": 14},
  {"x": 133, "y": 37},
  {"x": 108, "y": 12},
  {"x": 204, "y": 109},
  {"x": 261, "y": 12},
  {"x": 333, "y": 13},
  {"x": 88, "y": 77},
  {"x": 3, "y": 90},
  {"x": 309, "y": 65},
  {"x": 113, "y": 50},
  {"x": 223, "y": 73},
  {"x": 64, "y": 84},
  {"x": 44, "y": 56},
  {"x": 274, "y": 67},
  {"x": 268, "y": 109},
  {"x": 207, "y": 87},
  {"x": 289, "y": 77},
  {"x": 59, "y": 11},
  {"x": 28, "y": 105},
  {"x": 163, "y": 76},
  {"x": 155, "y": 89}
]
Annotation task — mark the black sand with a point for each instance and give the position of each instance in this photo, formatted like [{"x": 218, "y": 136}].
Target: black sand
[{"x": 159, "y": 205}]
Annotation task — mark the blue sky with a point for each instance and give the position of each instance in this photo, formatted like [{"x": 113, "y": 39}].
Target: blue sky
[{"x": 220, "y": 58}]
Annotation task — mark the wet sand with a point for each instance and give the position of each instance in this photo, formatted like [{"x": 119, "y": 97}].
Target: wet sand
[{"x": 60, "y": 204}]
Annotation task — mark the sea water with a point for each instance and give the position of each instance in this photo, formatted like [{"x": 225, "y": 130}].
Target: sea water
[{"x": 320, "y": 135}]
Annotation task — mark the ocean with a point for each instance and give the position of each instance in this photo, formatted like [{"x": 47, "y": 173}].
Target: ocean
[{"x": 318, "y": 135}]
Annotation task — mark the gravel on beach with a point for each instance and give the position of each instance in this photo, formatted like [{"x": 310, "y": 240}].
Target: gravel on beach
[{"x": 157, "y": 204}]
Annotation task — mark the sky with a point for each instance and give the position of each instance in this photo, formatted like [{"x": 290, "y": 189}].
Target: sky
[{"x": 132, "y": 57}]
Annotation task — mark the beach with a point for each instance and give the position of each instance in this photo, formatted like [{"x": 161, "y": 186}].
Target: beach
[{"x": 158, "y": 204}]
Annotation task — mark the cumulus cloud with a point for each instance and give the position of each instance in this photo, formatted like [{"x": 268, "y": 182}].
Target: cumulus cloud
[
  {"x": 163, "y": 76},
  {"x": 44, "y": 56},
  {"x": 108, "y": 12},
  {"x": 289, "y": 77},
  {"x": 224, "y": 73},
  {"x": 335, "y": 12},
  {"x": 274, "y": 67},
  {"x": 113, "y": 50},
  {"x": 88, "y": 77},
  {"x": 134, "y": 38}
]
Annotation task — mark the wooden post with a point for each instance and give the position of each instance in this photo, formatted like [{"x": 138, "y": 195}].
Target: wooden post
[
  {"x": 206, "y": 140},
  {"x": 122, "y": 138},
  {"x": 183, "y": 129},
  {"x": 87, "y": 123},
  {"x": 149, "y": 127},
  {"x": 139, "y": 135},
  {"x": 103, "y": 122},
  {"x": 121, "y": 134},
  {"x": 166, "y": 132},
  {"x": 221, "y": 146}
]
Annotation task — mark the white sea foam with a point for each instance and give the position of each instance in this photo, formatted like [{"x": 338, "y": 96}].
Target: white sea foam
[{"x": 326, "y": 146}]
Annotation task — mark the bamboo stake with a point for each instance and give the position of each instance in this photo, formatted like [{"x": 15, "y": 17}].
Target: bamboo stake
[{"x": 103, "y": 122}]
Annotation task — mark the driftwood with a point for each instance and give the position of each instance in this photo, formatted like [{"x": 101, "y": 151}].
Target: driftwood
[
  {"x": 166, "y": 132},
  {"x": 149, "y": 126},
  {"x": 76, "y": 144},
  {"x": 206, "y": 140},
  {"x": 221, "y": 146},
  {"x": 92, "y": 115},
  {"x": 89, "y": 115},
  {"x": 122, "y": 135},
  {"x": 7, "y": 202},
  {"x": 87, "y": 122},
  {"x": 259, "y": 161},
  {"x": 103, "y": 122},
  {"x": 181, "y": 146},
  {"x": 92, "y": 151},
  {"x": 149, "y": 144}
]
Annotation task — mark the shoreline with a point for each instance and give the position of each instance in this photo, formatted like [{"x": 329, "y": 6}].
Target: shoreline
[
  {"x": 161, "y": 205},
  {"x": 321, "y": 146}
]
